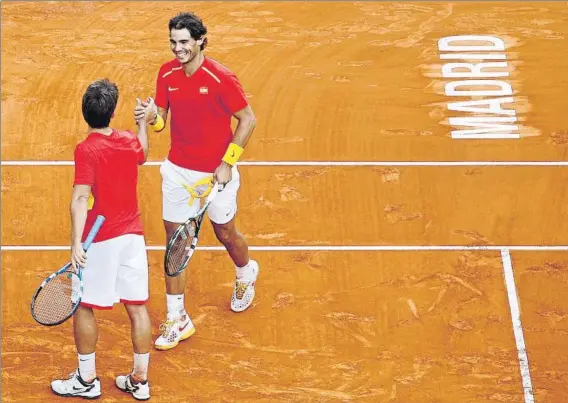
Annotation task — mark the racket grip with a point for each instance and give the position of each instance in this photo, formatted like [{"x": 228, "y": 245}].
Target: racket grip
[
  {"x": 93, "y": 233},
  {"x": 213, "y": 192}
]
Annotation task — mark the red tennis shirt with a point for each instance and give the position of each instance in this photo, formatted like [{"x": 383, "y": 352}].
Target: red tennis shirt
[
  {"x": 200, "y": 107},
  {"x": 109, "y": 164}
]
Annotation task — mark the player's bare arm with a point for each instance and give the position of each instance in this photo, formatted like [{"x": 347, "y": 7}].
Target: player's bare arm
[
  {"x": 79, "y": 207},
  {"x": 245, "y": 127},
  {"x": 147, "y": 115}
]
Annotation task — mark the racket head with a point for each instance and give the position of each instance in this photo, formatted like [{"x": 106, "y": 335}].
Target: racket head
[
  {"x": 58, "y": 297},
  {"x": 180, "y": 247}
]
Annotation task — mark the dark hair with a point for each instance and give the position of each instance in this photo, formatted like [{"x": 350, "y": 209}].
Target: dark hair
[
  {"x": 192, "y": 23},
  {"x": 99, "y": 103}
]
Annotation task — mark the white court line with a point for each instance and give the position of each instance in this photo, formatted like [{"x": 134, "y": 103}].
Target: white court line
[
  {"x": 334, "y": 248},
  {"x": 337, "y": 163},
  {"x": 517, "y": 327}
]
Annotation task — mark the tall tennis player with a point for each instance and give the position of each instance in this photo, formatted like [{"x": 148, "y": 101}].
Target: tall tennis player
[{"x": 201, "y": 96}]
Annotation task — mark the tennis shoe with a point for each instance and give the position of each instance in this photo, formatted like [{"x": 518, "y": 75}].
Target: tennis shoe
[
  {"x": 140, "y": 390},
  {"x": 75, "y": 386},
  {"x": 174, "y": 331},
  {"x": 244, "y": 291}
]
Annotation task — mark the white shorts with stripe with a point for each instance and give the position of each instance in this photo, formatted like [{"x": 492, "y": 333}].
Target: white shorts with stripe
[
  {"x": 175, "y": 197},
  {"x": 116, "y": 271}
]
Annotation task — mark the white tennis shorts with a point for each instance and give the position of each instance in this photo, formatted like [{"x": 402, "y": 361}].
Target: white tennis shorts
[
  {"x": 116, "y": 271},
  {"x": 175, "y": 197}
]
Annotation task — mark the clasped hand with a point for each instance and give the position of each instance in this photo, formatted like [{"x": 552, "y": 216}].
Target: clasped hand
[{"x": 145, "y": 110}]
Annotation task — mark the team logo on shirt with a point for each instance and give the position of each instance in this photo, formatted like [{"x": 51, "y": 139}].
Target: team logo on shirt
[{"x": 203, "y": 90}]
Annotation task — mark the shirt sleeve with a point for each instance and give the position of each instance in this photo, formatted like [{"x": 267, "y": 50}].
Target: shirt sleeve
[
  {"x": 84, "y": 167},
  {"x": 161, "y": 98},
  {"x": 233, "y": 96}
]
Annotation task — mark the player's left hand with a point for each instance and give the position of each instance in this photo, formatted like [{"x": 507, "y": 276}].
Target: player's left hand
[{"x": 223, "y": 174}]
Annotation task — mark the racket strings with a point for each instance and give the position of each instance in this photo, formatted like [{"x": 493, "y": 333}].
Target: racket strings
[
  {"x": 177, "y": 254},
  {"x": 57, "y": 299}
]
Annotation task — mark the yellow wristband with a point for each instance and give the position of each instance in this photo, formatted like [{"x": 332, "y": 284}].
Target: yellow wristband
[
  {"x": 233, "y": 154},
  {"x": 159, "y": 124}
]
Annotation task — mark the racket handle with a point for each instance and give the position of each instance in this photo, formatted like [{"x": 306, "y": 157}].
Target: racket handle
[
  {"x": 93, "y": 233},
  {"x": 213, "y": 193}
]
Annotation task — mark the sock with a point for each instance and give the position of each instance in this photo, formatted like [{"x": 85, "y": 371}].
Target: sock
[
  {"x": 176, "y": 307},
  {"x": 87, "y": 369},
  {"x": 246, "y": 272},
  {"x": 140, "y": 370}
]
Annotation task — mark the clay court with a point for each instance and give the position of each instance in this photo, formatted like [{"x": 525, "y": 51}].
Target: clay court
[{"x": 384, "y": 240}]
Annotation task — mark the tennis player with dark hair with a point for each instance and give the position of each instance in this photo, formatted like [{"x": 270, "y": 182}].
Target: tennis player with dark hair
[
  {"x": 203, "y": 96},
  {"x": 115, "y": 266}
]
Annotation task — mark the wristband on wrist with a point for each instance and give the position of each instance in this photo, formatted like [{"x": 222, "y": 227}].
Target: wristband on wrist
[
  {"x": 159, "y": 123},
  {"x": 233, "y": 154}
]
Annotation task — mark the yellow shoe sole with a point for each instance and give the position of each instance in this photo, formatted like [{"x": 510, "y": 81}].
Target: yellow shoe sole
[{"x": 170, "y": 346}]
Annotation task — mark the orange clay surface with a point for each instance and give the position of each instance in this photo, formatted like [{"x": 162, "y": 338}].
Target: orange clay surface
[{"x": 357, "y": 81}]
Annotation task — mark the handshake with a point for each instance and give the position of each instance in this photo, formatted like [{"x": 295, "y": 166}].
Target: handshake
[{"x": 147, "y": 112}]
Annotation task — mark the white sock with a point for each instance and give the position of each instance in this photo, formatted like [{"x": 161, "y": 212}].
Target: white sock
[
  {"x": 176, "y": 307},
  {"x": 87, "y": 369},
  {"x": 246, "y": 272},
  {"x": 140, "y": 370}
]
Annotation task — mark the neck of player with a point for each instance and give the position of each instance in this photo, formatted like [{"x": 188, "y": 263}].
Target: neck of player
[
  {"x": 191, "y": 67},
  {"x": 107, "y": 131}
]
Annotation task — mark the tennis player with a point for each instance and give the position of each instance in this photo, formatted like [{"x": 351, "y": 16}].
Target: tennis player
[
  {"x": 116, "y": 266},
  {"x": 203, "y": 96}
]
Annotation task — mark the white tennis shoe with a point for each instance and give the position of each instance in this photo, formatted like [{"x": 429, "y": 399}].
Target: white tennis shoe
[
  {"x": 75, "y": 386},
  {"x": 244, "y": 291},
  {"x": 140, "y": 390},
  {"x": 174, "y": 331}
]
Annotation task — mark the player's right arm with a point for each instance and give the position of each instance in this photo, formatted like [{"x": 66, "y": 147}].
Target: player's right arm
[
  {"x": 148, "y": 115},
  {"x": 163, "y": 114},
  {"x": 84, "y": 179},
  {"x": 79, "y": 207},
  {"x": 154, "y": 122},
  {"x": 160, "y": 117}
]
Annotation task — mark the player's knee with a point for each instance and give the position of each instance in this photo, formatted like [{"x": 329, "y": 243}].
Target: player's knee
[
  {"x": 137, "y": 313},
  {"x": 170, "y": 228},
  {"x": 225, "y": 234},
  {"x": 83, "y": 312}
]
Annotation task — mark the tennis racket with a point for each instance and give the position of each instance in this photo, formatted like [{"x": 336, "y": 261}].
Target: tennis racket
[
  {"x": 182, "y": 244},
  {"x": 58, "y": 297}
]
